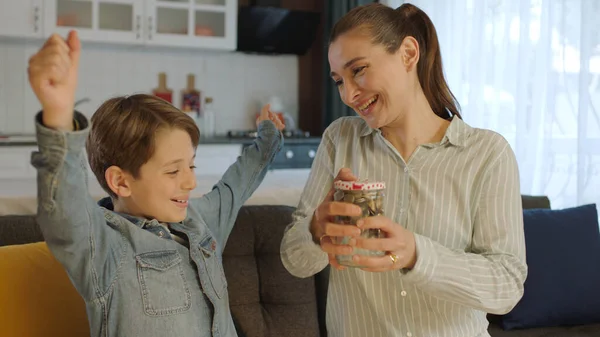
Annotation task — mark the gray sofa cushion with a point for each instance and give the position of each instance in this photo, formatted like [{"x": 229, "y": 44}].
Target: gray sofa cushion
[
  {"x": 264, "y": 297},
  {"x": 19, "y": 229}
]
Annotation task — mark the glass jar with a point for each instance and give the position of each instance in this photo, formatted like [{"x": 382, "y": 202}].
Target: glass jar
[{"x": 369, "y": 197}]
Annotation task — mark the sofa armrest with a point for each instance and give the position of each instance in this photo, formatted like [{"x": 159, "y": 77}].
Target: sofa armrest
[{"x": 530, "y": 201}]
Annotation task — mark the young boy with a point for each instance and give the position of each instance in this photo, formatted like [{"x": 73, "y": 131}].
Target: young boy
[{"x": 148, "y": 262}]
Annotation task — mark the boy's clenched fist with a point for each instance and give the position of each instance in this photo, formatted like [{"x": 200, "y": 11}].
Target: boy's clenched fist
[{"x": 53, "y": 78}]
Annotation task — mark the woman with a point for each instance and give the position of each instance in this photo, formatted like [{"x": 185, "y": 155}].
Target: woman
[{"x": 453, "y": 217}]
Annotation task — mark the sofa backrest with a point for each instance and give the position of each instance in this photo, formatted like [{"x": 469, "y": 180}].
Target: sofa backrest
[{"x": 19, "y": 229}]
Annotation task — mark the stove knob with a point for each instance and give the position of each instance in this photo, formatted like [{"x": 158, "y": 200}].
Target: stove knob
[
  {"x": 311, "y": 154},
  {"x": 289, "y": 154}
]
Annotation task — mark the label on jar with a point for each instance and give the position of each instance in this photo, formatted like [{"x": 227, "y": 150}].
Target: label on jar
[{"x": 358, "y": 186}]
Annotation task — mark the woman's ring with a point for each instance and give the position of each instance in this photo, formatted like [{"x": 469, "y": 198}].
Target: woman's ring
[{"x": 394, "y": 258}]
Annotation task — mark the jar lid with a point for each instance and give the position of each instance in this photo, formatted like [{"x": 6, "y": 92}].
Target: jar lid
[{"x": 358, "y": 186}]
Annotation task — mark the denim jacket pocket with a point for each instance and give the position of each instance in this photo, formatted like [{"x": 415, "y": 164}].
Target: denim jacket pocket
[
  {"x": 214, "y": 265},
  {"x": 163, "y": 285}
]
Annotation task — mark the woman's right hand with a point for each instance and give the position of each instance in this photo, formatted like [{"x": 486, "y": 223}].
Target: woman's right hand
[{"x": 324, "y": 229}]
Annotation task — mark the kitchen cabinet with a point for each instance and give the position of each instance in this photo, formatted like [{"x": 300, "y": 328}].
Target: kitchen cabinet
[
  {"x": 21, "y": 18},
  {"x": 192, "y": 23},
  {"x": 116, "y": 21},
  {"x": 208, "y": 24},
  {"x": 215, "y": 159},
  {"x": 211, "y": 160},
  {"x": 15, "y": 162}
]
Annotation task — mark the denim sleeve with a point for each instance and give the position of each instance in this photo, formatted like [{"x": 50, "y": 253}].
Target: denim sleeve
[
  {"x": 220, "y": 206},
  {"x": 72, "y": 224}
]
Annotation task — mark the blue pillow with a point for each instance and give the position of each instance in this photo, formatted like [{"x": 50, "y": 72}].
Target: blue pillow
[{"x": 563, "y": 258}]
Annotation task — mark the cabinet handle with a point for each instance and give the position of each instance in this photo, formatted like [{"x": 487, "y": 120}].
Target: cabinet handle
[
  {"x": 138, "y": 26},
  {"x": 150, "y": 28},
  {"x": 289, "y": 154},
  {"x": 36, "y": 18},
  {"x": 311, "y": 153}
]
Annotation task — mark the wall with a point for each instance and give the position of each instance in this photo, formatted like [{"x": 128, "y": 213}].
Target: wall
[
  {"x": 239, "y": 83},
  {"x": 312, "y": 72}
]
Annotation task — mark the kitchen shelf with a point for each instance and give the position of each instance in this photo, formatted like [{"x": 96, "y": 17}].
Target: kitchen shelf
[
  {"x": 201, "y": 24},
  {"x": 172, "y": 4},
  {"x": 210, "y": 8}
]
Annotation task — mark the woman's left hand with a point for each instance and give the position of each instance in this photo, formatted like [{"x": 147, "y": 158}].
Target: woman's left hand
[{"x": 398, "y": 243}]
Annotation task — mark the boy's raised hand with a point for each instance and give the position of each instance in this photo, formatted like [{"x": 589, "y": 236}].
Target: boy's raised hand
[
  {"x": 53, "y": 78},
  {"x": 267, "y": 114}
]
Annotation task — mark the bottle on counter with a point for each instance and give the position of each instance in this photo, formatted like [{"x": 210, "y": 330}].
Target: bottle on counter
[
  {"x": 190, "y": 97},
  {"x": 162, "y": 90},
  {"x": 207, "y": 129}
]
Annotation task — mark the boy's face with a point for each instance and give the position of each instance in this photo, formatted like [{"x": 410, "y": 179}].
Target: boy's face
[{"x": 162, "y": 189}]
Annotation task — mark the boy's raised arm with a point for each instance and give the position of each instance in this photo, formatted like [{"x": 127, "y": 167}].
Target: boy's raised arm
[
  {"x": 72, "y": 224},
  {"x": 220, "y": 206}
]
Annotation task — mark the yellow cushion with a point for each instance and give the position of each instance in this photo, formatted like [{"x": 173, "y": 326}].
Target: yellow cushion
[{"x": 36, "y": 296}]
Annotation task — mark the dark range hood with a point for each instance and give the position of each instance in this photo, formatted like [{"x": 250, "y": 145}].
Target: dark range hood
[{"x": 273, "y": 30}]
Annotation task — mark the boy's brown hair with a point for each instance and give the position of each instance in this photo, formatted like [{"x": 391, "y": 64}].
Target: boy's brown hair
[{"x": 123, "y": 133}]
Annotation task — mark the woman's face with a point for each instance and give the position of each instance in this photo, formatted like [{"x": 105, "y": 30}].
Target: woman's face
[{"x": 370, "y": 80}]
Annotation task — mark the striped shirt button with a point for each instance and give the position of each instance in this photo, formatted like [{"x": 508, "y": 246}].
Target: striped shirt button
[{"x": 403, "y": 293}]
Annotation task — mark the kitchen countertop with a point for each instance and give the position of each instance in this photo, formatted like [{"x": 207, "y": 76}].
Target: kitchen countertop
[
  {"x": 287, "y": 140},
  {"x": 29, "y": 140}
]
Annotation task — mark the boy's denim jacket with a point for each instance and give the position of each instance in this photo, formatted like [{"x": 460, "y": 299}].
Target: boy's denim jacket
[{"x": 135, "y": 279}]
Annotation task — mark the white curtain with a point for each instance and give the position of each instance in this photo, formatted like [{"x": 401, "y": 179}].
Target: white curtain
[{"x": 529, "y": 70}]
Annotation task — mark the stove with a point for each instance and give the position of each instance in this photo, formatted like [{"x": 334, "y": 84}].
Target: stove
[
  {"x": 298, "y": 151},
  {"x": 243, "y": 134}
]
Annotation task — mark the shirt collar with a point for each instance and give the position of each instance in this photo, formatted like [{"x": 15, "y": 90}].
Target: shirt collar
[
  {"x": 456, "y": 134},
  {"x": 107, "y": 203}
]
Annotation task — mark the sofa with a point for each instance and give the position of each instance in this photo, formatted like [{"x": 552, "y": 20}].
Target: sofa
[{"x": 37, "y": 299}]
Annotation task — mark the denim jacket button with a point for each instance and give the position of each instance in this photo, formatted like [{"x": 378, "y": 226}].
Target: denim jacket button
[{"x": 161, "y": 234}]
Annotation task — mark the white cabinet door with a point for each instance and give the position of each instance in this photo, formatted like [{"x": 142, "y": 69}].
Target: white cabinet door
[
  {"x": 211, "y": 160},
  {"x": 115, "y": 21},
  {"x": 210, "y": 24},
  {"x": 214, "y": 160},
  {"x": 15, "y": 162},
  {"x": 21, "y": 18}
]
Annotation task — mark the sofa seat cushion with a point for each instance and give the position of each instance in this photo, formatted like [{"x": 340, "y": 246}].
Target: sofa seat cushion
[
  {"x": 37, "y": 297},
  {"x": 265, "y": 299}
]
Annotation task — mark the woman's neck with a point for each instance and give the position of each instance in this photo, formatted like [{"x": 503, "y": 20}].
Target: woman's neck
[{"x": 417, "y": 125}]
